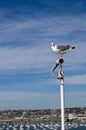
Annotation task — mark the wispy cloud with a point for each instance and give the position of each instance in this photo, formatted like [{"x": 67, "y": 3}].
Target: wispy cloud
[
  {"x": 25, "y": 37},
  {"x": 46, "y": 29},
  {"x": 40, "y": 100},
  {"x": 23, "y": 58},
  {"x": 43, "y": 53},
  {"x": 75, "y": 99},
  {"x": 39, "y": 57},
  {"x": 76, "y": 79},
  {"x": 27, "y": 100},
  {"x": 23, "y": 95}
]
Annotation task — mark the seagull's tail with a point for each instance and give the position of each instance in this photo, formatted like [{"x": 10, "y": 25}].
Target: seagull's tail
[{"x": 73, "y": 47}]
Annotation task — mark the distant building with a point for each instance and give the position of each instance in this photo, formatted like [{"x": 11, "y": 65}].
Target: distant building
[{"x": 72, "y": 116}]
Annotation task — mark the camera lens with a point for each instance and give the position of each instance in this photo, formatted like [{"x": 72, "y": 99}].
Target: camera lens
[{"x": 61, "y": 61}]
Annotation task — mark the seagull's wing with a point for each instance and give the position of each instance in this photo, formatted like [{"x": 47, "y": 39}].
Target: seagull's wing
[{"x": 63, "y": 48}]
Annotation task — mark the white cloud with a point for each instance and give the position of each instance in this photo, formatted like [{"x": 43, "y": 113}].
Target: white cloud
[
  {"x": 23, "y": 58},
  {"x": 75, "y": 99},
  {"x": 24, "y": 100},
  {"x": 38, "y": 57},
  {"x": 76, "y": 79},
  {"x": 21, "y": 100},
  {"x": 24, "y": 95},
  {"x": 45, "y": 28},
  {"x": 41, "y": 32},
  {"x": 34, "y": 35}
]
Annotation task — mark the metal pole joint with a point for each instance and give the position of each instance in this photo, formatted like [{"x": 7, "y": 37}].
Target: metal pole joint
[{"x": 58, "y": 64}]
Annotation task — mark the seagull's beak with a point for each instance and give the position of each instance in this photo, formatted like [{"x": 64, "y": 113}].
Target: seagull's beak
[{"x": 73, "y": 47}]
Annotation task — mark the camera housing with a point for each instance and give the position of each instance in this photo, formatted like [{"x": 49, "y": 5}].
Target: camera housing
[{"x": 60, "y": 61}]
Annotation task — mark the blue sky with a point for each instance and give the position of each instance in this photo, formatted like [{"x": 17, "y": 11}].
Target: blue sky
[{"x": 27, "y": 28}]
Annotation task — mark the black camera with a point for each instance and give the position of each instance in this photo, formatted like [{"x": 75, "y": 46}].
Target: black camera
[{"x": 60, "y": 61}]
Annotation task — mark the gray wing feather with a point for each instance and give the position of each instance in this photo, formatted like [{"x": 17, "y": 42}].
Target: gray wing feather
[{"x": 63, "y": 48}]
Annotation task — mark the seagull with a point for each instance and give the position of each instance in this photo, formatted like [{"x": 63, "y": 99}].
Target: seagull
[{"x": 61, "y": 49}]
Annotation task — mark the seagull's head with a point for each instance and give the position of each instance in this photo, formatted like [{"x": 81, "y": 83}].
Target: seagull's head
[{"x": 52, "y": 44}]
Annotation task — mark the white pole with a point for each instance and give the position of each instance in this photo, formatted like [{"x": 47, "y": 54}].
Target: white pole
[
  {"x": 62, "y": 104},
  {"x": 61, "y": 78}
]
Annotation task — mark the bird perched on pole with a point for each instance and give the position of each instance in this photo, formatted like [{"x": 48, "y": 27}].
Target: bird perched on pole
[{"x": 61, "y": 49}]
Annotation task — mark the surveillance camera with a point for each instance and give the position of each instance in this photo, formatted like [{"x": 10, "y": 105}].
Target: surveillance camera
[{"x": 60, "y": 61}]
